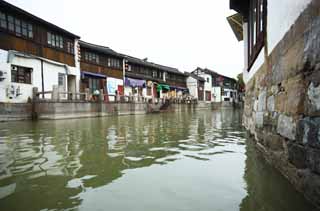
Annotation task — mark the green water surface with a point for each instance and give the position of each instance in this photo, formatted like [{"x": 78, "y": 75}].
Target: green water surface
[{"x": 195, "y": 161}]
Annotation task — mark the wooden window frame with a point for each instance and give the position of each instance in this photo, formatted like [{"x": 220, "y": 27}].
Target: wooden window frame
[
  {"x": 22, "y": 78},
  {"x": 55, "y": 40},
  {"x": 256, "y": 29},
  {"x": 91, "y": 57},
  {"x": 70, "y": 47},
  {"x": 3, "y": 21},
  {"x": 114, "y": 63},
  {"x": 16, "y": 26}
]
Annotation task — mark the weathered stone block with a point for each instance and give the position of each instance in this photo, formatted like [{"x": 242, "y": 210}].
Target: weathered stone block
[
  {"x": 313, "y": 158},
  {"x": 274, "y": 142},
  {"x": 295, "y": 89},
  {"x": 308, "y": 132},
  {"x": 262, "y": 100},
  {"x": 297, "y": 155},
  {"x": 259, "y": 119},
  {"x": 312, "y": 43},
  {"x": 314, "y": 97},
  {"x": 286, "y": 127},
  {"x": 271, "y": 104},
  {"x": 280, "y": 102},
  {"x": 292, "y": 59},
  {"x": 255, "y": 105}
]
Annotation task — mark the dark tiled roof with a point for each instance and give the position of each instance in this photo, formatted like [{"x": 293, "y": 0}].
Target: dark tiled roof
[
  {"x": 195, "y": 76},
  {"x": 99, "y": 48},
  {"x": 11, "y": 8},
  {"x": 135, "y": 60},
  {"x": 211, "y": 72}
]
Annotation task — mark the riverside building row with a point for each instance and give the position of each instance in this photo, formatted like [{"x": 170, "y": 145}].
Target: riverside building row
[{"x": 38, "y": 58}]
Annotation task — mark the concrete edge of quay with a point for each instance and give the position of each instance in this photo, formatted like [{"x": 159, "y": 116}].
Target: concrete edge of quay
[{"x": 79, "y": 110}]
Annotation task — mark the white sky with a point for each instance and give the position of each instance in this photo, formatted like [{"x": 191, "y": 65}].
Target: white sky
[{"x": 179, "y": 33}]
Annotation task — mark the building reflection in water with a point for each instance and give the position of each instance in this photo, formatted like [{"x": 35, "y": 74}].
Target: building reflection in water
[{"x": 53, "y": 163}]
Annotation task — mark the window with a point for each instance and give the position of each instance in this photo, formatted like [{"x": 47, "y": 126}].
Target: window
[
  {"x": 91, "y": 57},
  {"x": 54, "y": 40},
  {"x": 11, "y": 23},
  {"x": 21, "y": 74},
  {"x": 256, "y": 29},
  {"x": 93, "y": 84},
  {"x": 17, "y": 27},
  {"x": 30, "y": 31},
  {"x": 70, "y": 47},
  {"x": 208, "y": 80},
  {"x": 62, "y": 80},
  {"x": 24, "y": 26},
  {"x": 154, "y": 74},
  {"x": 115, "y": 63},
  {"x": 3, "y": 20}
]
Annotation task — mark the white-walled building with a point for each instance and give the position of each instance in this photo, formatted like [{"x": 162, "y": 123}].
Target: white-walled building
[
  {"x": 218, "y": 88},
  {"x": 195, "y": 84},
  {"x": 35, "y": 53},
  {"x": 208, "y": 83},
  {"x": 282, "y": 75}
]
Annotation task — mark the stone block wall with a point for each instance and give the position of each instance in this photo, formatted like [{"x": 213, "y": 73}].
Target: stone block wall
[
  {"x": 282, "y": 105},
  {"x": 15, "y": 111}
]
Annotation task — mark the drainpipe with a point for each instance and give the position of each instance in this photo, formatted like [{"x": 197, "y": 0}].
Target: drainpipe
[{"x": 42, "y": 81}]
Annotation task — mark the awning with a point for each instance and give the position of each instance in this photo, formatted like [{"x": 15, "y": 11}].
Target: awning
[
  {"x": 179, "y": 88},
  {"x": 135, "y": 82},
  {"x": 163, "y": 87},
  {"x": 96, "y": 75},
  {"x": 236, "y": 23}
]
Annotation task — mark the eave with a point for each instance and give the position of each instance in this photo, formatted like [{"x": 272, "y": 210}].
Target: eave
[
  {"x": 236, "y": 23},
  {"x": 241, "y": 6}
]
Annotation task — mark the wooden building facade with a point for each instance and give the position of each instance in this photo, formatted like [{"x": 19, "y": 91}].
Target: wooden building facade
[
  {"x": 101, "y": 69},
  {"x": 34, "y": 53}
]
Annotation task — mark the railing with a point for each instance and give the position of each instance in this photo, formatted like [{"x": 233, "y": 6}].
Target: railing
[{"x": 62, "y": 96}]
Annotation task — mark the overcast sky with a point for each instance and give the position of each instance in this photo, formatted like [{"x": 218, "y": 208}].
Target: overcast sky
[{"x": 179, "y": 33}]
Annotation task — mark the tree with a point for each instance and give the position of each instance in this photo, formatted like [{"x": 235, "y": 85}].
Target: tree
[{"x": 241, "y": 83}]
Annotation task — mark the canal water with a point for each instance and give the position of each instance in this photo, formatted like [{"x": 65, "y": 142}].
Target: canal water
[{"x": 162, "y": 162}]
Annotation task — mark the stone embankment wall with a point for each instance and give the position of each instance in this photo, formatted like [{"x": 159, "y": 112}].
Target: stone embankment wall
[
  {"x": 15, "y": 112},
  {"x": 70, "y": 110},
  {"x": 282, "y": 105}
]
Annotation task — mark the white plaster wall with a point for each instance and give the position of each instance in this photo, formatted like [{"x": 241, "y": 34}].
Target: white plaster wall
[
  {"x": 25, "y": 89},
  {"x": 192, "y": 85},
  {"x": 281, "y": 16},
  {"x": 234, "y": 97},
  {"x": 207, "y": 85},
  {"x": 50, "y": 73},
  {"x": 216, "y": 91},
  {"x": 127, "y": 91}
]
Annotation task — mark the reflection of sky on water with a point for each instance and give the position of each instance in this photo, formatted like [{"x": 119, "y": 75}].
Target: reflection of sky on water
[{"x": 173, "y": 161}]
